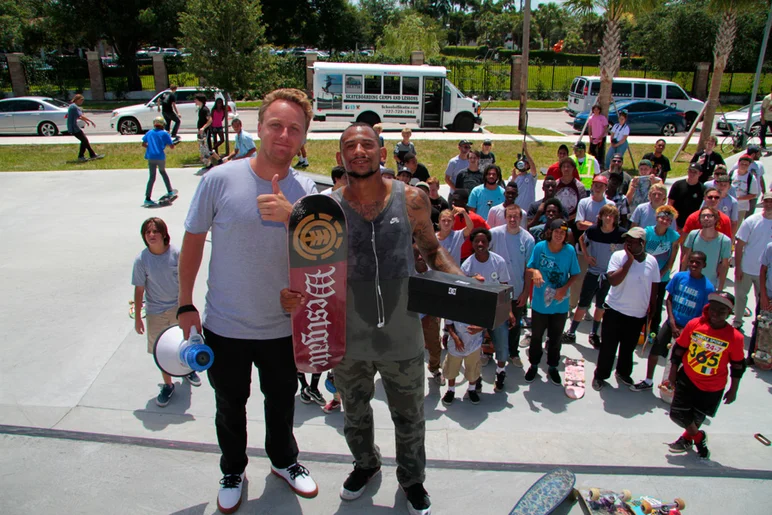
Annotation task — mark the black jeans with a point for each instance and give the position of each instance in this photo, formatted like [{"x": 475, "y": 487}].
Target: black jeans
[
  {"x": 169, "y": 118},
  {"x": 618, "y": 331},
  {"x": 763, "y": 132},
  {"x": 553, "y": 324},
  {"x": 231, "y": 377},
  {"x": 514, "y": 331},
  {"x": 656, "y": 317},
  {"x": 84, "y": 144},
  {"x": 599, "y": 151}
]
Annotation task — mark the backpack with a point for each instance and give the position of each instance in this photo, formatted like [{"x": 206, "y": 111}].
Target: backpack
[{"x": 747, "y": 183}]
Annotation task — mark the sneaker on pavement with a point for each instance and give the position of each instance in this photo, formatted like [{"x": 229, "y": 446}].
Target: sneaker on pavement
[
  {"x": 229, "y": 496},
  {"x": 627, "y": 381},
  {"x": 354, "y": 485},
  {"x": 447, "y": 399},
  {"x": 702, "y": 446},
  {"x": 642, "y": 386},
  {"x": 167, "y": 390},
  {"x": 568, "y": 338},
  {"x": 172, "y": 193},
  {"x": 148, "y": 203},
  {"x": 478, "y": 385},
  {"x": 315, "y": 395},
  {"x": 598, "y": 384},
  {"x": 680, "y": 445},
  {"x": 438, "y": 378},
  {"x": 97, "y": 156},
  {"x": 304, "y": 398},
  {"x": 516, "y": 361},
  {"x": 331, "y": 406},
  {"x": 299, "y": 479},
  {"x": 193, "y": 379},
  {"x": 531, "y": 374},
  {"x": 499, "y": 384},
  {"x": 418, "y": 502},
  {"x": 554, "y": 376},
  {"x": 594, "y": 340},
  {"x": 474, "y": 397}
]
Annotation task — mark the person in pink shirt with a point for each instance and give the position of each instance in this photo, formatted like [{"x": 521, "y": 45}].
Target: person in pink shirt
[
  {"x": 597, "y": 128},
  {"x": 216, "y": 131}
]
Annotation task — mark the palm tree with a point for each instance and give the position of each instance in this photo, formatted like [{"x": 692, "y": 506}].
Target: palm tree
[
  {"x": 722, "y": 48},
  {"x": 610, "y": 51}
]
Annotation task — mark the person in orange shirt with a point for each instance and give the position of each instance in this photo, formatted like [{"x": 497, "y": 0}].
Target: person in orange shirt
[{"x": 724, "y": 225}]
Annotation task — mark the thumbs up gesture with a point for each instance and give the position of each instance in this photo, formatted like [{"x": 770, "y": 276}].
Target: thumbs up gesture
[{"x": 274, "y": 207}]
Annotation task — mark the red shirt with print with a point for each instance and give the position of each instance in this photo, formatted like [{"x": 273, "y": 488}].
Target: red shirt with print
[
  {"x": 709, "y": 351},
  {"x": 477, "y": 221},
  {"x": 554, "y": 171},
  {"x": 692, "y": 223}
]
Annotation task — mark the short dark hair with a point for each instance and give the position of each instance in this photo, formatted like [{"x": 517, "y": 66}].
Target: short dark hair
[
  {"x": 358, "y": 124},
  {"x": 480, "y": 230},
  {"x": 160, "y": 225},
  {"x": 566, "y": 160},
  {"x": 337, "y": 172},
  {"x": 553, "y": 202},
  {"x": 476, "y": 152},
  {"x": 200, "y": 97},
  {"x": 563, "y": 147},
  {"x": 699, "y": 254}
]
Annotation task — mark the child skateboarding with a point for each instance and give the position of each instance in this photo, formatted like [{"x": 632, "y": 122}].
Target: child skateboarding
[
  {"x": 155, "y": 143},
  {"x": 708, "y": 350},
  {"x": 155, "y": 278}
]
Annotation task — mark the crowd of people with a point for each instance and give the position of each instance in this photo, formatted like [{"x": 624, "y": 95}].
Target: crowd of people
[{"x": 613, "y": 242}]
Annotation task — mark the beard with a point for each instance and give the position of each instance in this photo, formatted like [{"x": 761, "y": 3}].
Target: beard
[{"x": 353, "y": 175}]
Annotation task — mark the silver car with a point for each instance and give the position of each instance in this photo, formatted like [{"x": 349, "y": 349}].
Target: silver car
[
  {"x": 34, "y": 115},
  {"x": 734, "y": 120}
]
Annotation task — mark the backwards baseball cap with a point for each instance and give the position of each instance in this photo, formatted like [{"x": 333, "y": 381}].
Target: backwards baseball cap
[
  {"x": 558, "y": 223},
  {"x": 422, "y": 184},
  {"x": 745, "y": 157},
  {"x": 404, "y": 169},
  {"x": 722, "y": 297},
  {"x": 639, "y": 233},
  {"x": 601, "y": 179},
  {"x": 753, "y": 149},
  {"x": 644, "y": 162},
  {"x": 487, "y": 142},
  {"x": 580, "y": 145},
  {"x": 464, "y": 142},
  {"x": 695, "y": 166}
]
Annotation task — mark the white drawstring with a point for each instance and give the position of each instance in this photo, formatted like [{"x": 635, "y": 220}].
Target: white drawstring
[{"x": 378, "y": 297}]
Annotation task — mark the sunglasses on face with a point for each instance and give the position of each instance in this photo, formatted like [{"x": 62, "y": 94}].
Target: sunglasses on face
[{"x": 713, "y": 197}]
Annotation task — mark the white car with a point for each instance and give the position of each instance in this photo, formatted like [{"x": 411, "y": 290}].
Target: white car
[
  {"x": 34, "y": 115},
  {"x": 138, "y": 118},
  {"x": 734, "y": 120}
]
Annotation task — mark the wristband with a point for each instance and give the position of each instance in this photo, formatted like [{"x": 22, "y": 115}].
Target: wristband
[{"x": 187, "y": 308}]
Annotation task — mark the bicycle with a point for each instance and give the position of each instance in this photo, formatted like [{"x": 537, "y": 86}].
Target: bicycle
[{"x": 739, "y": 140}]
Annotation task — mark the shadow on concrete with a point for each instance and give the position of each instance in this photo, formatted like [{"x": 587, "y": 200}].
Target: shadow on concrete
[
  {"x": 365, "y": 503},
  {"x": 625, "y": 403},
  {"x": 276, "y": 498},
  {"x": 470, "y": 416},
  {"x": 198, "y": 509},
  {"x": 543, "y": 395},
  {"x": 155, "y": 418}
]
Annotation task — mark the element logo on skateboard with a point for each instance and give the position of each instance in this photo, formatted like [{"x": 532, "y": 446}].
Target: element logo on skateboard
[{"x": 318, "y": 258}]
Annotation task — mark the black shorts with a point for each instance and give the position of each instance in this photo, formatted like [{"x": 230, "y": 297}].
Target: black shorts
[
  {"x": 593, "y": 286},
  {"x": 216, "y": 130},
  {"x": 689, "y": 397}
]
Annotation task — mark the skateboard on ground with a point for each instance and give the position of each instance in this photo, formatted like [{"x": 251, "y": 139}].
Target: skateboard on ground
[
  {"x": 667, "y": 390},
  {"x": 762, "y": 357},
  {"x": 132, "y": 313},
  {"x": 318, "y": 252},
  {"x": 546, "y": 494},
  {"x": 168, "y": 199},
  {"x": 574, "y": 378},
  {"x": 597, "y": 501}
]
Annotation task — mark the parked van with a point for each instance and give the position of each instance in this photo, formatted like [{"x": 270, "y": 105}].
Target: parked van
[
  {"x": 374, "y": 93},
  {"x": 583, "y": 94}
]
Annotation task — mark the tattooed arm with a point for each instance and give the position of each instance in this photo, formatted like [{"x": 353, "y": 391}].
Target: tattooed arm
[{"x": 419, "y": 211}]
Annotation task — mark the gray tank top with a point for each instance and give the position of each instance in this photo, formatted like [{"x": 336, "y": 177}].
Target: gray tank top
[{"x": 380, "y": 261}]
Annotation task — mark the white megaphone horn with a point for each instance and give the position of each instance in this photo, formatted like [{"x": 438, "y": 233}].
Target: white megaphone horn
[{"x": 177, "y": 356}]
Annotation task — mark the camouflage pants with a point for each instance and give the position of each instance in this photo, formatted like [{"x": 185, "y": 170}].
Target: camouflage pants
[{"x": 403, "y": 382}]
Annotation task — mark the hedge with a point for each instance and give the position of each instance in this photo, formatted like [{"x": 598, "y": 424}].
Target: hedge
[{"x": 545, "y": 56}]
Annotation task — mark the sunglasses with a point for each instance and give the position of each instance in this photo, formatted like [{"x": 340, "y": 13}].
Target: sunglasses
[{"x": 713, "y": 197}]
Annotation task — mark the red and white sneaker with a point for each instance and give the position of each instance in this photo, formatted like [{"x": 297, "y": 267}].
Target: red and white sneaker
[
  {"x": 299, "y": 479},
  {"x": 331, "y": 406},
  {"x": 229, "y": 496}
]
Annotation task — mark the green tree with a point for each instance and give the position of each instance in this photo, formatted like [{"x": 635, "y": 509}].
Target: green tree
[
  {"x": 413, "y": 32},
  {"x": 548, "y": 20},
  {"x": 377, "y": 14},
  {"x": 14, "y": 16}
]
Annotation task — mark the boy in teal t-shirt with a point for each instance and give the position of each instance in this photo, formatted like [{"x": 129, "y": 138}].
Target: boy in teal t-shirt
[{"x": 155, "y": 143}]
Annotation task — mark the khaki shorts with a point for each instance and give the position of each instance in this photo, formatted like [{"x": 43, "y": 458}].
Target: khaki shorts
[
  {"x": 155, "y": 325},
  {"x": 472, "y": 368}
]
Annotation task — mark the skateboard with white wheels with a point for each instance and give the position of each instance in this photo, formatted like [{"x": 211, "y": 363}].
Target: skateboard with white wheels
[{"x": 574, "y": 378}]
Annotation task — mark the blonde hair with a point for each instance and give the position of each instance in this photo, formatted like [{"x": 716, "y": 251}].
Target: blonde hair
[
  {"x": 446, "y": 212},
  {"x": 658, "y": 187},
  {"x": 406, "y": 130},
  {"x": 378, "y": 128},
  {"x": 77, "y": 97},
  {"x": 669, "y": 210},
  {"x": 292, "y": 95}
]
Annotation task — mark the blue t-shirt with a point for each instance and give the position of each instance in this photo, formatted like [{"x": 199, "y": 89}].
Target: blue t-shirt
[
  {"x": 660, "y": 247},
  {"x": 688, "y": 296},
  {"x": 244, "y": 143},
  {"x": 556, "y": 270},
  {"x": 481, "y": 199},
  {"x": 73, "y": 113},
  {"x": 156, "y": 140}
]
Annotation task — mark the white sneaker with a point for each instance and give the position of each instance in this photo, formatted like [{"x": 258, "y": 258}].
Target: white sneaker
[
  {"x": 229, "y": 497},
  {"x": 299, "y": 479}
]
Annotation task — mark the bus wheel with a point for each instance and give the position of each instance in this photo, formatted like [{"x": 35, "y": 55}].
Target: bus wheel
[
  {"x": 463, "y": 123},
  {"x": 369, "y": 117}
]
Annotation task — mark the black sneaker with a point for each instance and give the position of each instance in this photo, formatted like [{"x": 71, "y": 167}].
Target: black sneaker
[
  {"x": 627, "y": 381},
  {"x": 594, "y": 341},
  {"x": 680, "y": 445},
  {"x": 315, "y": 395},
  {"x": 702, "y": 446},
  {"x": 531, "y": 374},
  {"x": 447, "y": 399},
  {"x": 474, "y": 397},
  {"x": 642, "y": 386},
  {"x": 499, "y": 384},
  {"x": 554, "y": 376},
  {"x": 418, "y": 502},
  {"x": 304, "y": 398},
  {"x": 568, "y": 338},
  {"x": 165, "y": 395},
  {"x": 478, "y": 385},
  {"x": 598, "y": 384},
  {"x": 354, "y": 485}
]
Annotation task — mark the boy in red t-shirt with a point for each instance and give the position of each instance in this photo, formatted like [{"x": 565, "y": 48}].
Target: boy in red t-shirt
[{"x": 710, "y": 350}]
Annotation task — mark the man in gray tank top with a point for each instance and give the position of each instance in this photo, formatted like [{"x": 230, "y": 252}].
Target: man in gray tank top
[{"x": 381, "y": 334}]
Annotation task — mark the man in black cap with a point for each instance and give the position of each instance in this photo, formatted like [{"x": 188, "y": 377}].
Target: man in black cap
[
  {"x": 615, "y": 168},
  {"x": 405, "y": 175},
  {"x": 458, "y": 163},
  {"x": 487, "y": 157}
]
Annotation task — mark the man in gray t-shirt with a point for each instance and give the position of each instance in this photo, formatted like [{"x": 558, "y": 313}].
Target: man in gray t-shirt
[{"x": 245, "y": 205}]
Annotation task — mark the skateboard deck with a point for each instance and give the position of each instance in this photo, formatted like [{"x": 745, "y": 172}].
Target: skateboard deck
[
  {"x": 546, "y": 494},
  {"x": 666, "y": 390},
  {"x": 318, "y": 254},
  {"x": 166, "y": 200},
  {"x": 574, "y": 378},
  {"x": 597, "y": 501},
  {"x": 762, "y": 357}
]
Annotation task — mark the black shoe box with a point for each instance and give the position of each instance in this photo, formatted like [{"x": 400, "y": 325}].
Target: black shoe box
[{"x": 459, "y": 298}]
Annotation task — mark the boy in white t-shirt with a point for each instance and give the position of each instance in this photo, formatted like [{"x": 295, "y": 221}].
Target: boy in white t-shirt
[{"x": 463, "y": 347}]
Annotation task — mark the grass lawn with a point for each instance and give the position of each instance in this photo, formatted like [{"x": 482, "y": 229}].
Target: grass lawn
[
  {"x": 321, "y": 155},
  {"x": 532, "y": 131}
]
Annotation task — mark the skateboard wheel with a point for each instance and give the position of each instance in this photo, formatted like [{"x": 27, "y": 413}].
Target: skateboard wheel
[
  {"x": 626, "y": 495},
  {"x": 594, "y": 494},
  {"x": 680, "y": 503},
  {"x": 646, "y": 506}
]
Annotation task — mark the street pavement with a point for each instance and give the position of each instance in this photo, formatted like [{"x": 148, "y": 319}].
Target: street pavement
[{"x": 80, "y": 431}]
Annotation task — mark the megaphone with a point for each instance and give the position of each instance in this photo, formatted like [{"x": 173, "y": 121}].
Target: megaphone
[{"x": 177, "y": 356}]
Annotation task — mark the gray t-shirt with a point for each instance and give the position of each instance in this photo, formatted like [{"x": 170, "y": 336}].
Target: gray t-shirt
[
  {"x": 644, "y": 215},
  {"x": 588, "y": 209},
  {"x": 516, "y": 249},
  {"x": 157, "y": 274},
  {"x": 249, "y": 264},
  {"x": 495, "y": 270},
  {"x": 455, "y": 165},
  {"x": 453, "y": 244}
]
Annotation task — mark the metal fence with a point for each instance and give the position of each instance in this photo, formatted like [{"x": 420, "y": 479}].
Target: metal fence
[{"x": 5, "y": 76}]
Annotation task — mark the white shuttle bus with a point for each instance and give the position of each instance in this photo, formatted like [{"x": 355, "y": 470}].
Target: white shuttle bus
[{"x": 374, "y": 93}]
